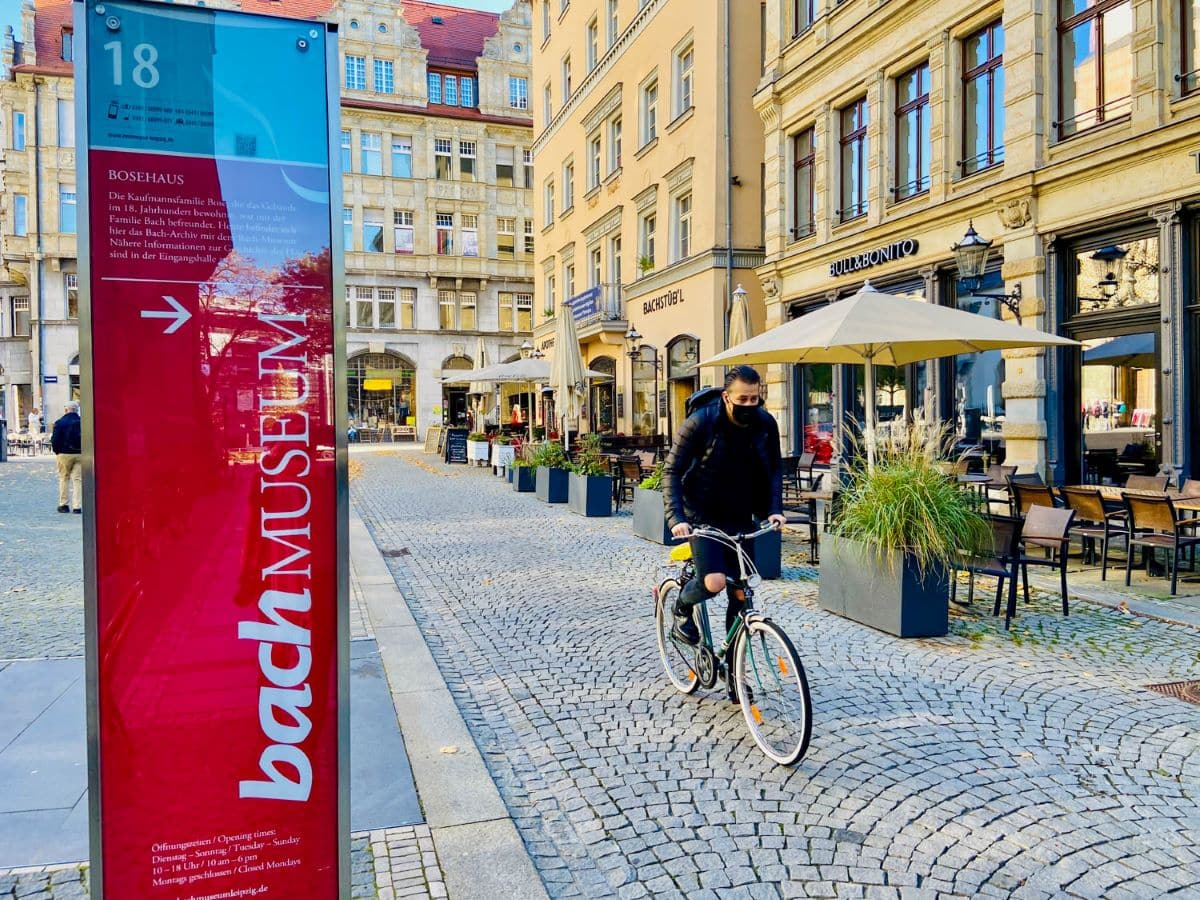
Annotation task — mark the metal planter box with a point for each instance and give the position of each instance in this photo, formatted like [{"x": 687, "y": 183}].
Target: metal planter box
[
  {"x": 768, "y": 555},
  {"x": 523, "y": 478},
  {"x": 551, "y": 485},
  {"x": 590, "y": 495},
  {"x": 891, "y": 595},
  {"x": 650, "y": 517}
]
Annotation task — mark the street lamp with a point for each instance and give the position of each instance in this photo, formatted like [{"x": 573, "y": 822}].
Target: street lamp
[
  {"x": 526, "y": 350},
  {"x": 1113, "y": 258},
  {"x": 970, "y": 258}
]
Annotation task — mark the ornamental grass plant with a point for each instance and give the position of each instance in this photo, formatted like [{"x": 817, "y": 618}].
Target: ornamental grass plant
[
  {"x": 591, "y": 461},
  {"x": 907, "y": 504}
]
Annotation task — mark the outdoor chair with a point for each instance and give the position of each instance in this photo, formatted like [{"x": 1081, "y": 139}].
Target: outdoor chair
[
  {"x": 1048, "y": 530},
  {"x": 1094, "y": 523},
  {"x": 1147, "y": 482},
  {"x": 1155, "y": 525},
  {"x": 998, "y": 476},
  {"x": 1025, "y": 496},
  {"x": 628, "y": 472},
  {"x": 1191, "y": 488},
  {"x": 1000, "y": 563},
  {"x": 804, "y": 514}
]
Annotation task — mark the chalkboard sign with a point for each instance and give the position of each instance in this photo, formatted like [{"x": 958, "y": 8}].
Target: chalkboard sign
[
  {"x": 433, "y": 438},
  {"x": 456, "y": 445}
]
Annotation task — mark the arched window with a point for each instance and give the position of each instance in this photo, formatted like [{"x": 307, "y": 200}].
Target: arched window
[
  {"x": 381, "y": 390},
  {"x": 601, "y": 411}
]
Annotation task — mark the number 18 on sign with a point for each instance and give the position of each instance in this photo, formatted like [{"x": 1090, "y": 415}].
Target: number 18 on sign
[{"x": 215, "y": 501}]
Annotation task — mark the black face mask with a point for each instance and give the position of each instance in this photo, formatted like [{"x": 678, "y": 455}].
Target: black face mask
[{"x": 743, "y": 415}]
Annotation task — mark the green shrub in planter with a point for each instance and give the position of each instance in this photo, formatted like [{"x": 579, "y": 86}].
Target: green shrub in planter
[
  {"x": 552, "y": 464},
  {"x": 897, "y": 531},
  {"x": 590, "y": 488},
  {"x": 523, "y": 477}
]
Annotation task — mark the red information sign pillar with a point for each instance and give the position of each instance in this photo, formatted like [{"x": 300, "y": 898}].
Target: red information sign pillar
[{"x": 215, "y": 519}]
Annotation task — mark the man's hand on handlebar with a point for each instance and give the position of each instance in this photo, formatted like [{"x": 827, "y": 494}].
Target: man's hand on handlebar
[
  {"x": 682, "y": 530},
  {"x": 777, "y": 520}
]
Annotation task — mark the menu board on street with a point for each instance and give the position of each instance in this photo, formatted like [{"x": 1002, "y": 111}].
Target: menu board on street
[
  {"x": 433, "y": 438},
  {"x": 456, "y": 445},
  {"x": 216, "y": 567}
]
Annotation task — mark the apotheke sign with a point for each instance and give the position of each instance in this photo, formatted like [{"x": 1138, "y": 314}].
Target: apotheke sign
[{"x": 869, "y": 258}]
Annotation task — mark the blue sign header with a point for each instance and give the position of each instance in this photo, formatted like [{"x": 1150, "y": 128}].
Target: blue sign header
[{"x": 585, "y": 304}]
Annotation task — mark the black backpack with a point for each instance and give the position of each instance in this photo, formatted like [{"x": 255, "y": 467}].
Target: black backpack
[{"x": 702, "y": 397}]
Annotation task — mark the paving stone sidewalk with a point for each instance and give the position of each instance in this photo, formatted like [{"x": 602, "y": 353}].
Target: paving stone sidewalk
[{"x": 1029, "y": 764}]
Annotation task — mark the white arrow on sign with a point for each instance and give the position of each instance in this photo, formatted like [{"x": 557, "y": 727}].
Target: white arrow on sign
[{"x": 178, "y": 313}]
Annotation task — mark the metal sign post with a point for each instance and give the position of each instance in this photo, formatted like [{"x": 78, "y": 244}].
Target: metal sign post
[{"x": 213, "y": 383}]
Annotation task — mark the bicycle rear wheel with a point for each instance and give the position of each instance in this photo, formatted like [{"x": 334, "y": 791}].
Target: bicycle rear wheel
[
  {"x": 677, "y": 658},
  {"x": 773, "y": 691}
]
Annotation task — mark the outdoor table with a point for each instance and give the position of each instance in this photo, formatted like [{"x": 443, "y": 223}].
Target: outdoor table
[{"x": 1113, "y": 493}]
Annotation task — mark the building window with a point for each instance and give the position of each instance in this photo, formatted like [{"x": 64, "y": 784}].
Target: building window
[
  {"x": 371, "y": 150},
  {"x": 912, "y": 133},
  {"x": 592, "y": 43},
  {"x": 1189, "y": 45},
  {"x": 466, "y": 91},
  {"x": 385, "y": 78},
  {"x": 20, "y": 214},
  {"x": 545, "y": 20},
  {"x": 442, "y": 150},
  {"x": 983, "y": 99},
  {"x": 403, "y": 231},
  {"x": 466, "y": 311},
  {"x": 68, "y": 45},
  {"x": 447, "y": 311},
  {"x": 506, "y": 238},
  {"x": 802, "y": 16},
  {"x": 547, "y": 105},
  {"x": 508, "y": 311},
  {"x": 683, "y": 226},
  {"x": 649, "y": 112},
  {"x": 549, "y": 305},
  {"x": 66, "y": 123},
  {"x": 373, "y": 230},
  {"x": 548, "y": 202},
  {"x": 470, "y": 235},
  {"x": 402, "y": 157},
  {"x": 18, "y": 131},
  {"x": 505, "y": 157},
  {"x": 445, "y": 234},
  {"x": 434, "y": 82},
  {"x": 408, "y": 308},
  {"x": 594, "y": 157},
  {"x": 71, "y": 288},
  {"x": 450, "y": 90},
  {"x": 566, "y": 79},
  {"x": 683, "y": 79},
  {"x": 614, "y": 144},
  {"x": 646, "y": 257},
  {"x": 356, "y": 73},
  {"x": 854, "y": 161},
  {"x": 614, "y": 261},
  {"x": 347, "y": 228},
  {"x": 527, "y": 162},
  {"x": 804, "y": 161},
  {"x": 518, "y": 92},
  {"x": 346, "y": 161},
  {"x": 529, "y": 236},
  {"x": 386, "y": 307},
  {"x": 568, "y": 186},
  {"x": 1095, "y": 51},
  {"x": 614, "y": 28},
  {"x": 66, "y": 210},
  {"x": 568, "y": 281},
  {"x": 364, "y": 307},
  {"x": 466, "y": 160},
  {"x": 563, "y": 5},
  {"x": 595, "y": 272},
  {"x": 20, "y": 317}
]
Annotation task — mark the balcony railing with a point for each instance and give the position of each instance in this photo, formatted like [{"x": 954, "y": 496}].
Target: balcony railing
[{"x": 602, "y": 303}]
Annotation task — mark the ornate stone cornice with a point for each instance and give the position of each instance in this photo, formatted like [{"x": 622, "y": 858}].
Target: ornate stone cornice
[
  {"x": 608, "y": 105},
  {"x": 610, "y": 221}
]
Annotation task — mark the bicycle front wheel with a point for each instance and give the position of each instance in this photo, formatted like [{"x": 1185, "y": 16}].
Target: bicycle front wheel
[
  {"x": 678, "y": 659},
  {"x": 773, "y": 691}
]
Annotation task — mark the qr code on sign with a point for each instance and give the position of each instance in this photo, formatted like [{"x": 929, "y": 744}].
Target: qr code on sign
[{"x": 247, "y": 145}]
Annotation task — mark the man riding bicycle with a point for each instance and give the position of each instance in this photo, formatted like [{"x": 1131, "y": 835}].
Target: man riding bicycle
[{"x": 724, "y": 471}]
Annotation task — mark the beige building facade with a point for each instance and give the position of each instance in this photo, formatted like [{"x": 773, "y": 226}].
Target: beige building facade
[
  {"x": 1067, "y": 136},
  {"x": 648, "y": 195}
]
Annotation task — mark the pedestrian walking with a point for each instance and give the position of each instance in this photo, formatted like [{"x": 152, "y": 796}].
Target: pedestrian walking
[
  {"x": 35, "y": 421},
  {"x": 67, "y": 442}
]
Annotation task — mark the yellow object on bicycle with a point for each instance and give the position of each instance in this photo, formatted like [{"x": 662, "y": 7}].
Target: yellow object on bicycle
[{"x": 682, "y": 553}]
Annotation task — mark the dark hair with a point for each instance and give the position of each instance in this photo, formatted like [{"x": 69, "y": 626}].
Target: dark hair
[{"x": 742, "y": 373}]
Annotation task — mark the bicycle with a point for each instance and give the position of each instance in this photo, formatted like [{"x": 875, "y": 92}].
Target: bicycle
[{"x": 768, "y": 678}]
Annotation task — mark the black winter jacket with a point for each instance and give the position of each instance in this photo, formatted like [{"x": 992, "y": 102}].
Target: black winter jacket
[
  {"x": 699, "y": 462},
  {"x": 67, "y": 437}
]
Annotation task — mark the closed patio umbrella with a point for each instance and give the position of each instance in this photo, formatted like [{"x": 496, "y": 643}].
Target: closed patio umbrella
[
  {"x": 872, "y": 327},
  {"x": 566, "y": 372},
  {"x": 479, "y": 388},
  {"x": 740, "y": 330}
]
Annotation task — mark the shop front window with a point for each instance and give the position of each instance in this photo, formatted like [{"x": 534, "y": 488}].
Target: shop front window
[
  {"x": 683, "y": 379},
  {"x": 645, "y": 393},
  {"x": 381, "y": 388},
  {"x": 817, "y": 401},
  {"x": 978, "y": 377},
  {"x": 1119, "y": 275},
  {"x": 1120, "y": 406}
]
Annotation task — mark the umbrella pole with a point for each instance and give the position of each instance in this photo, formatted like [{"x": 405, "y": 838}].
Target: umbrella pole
[{"x": 869, "y": 408}]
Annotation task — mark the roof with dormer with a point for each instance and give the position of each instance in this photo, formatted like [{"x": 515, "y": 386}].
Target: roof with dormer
[{"x": 453, "y": 36}]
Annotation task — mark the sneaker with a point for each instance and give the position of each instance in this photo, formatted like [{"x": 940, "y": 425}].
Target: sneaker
[
  {"x": 78, "y": 512},
  {"x": 685, "y": 628},
  {"x": 65, "y": 509}
]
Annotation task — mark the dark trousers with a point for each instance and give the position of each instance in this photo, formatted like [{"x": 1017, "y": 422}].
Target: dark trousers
[{"x": 709, "y": 557}]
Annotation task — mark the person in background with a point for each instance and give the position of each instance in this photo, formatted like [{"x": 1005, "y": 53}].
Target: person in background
[
  {"x": 35, "y": 421},
  {"x": 67, "y": 443}
]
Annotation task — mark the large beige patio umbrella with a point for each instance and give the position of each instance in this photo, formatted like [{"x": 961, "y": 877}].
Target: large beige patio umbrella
[
  {"x": 740, "y": 329},
  {"x": 872, "y": 328},
  {"x": 566, "y": 372}
]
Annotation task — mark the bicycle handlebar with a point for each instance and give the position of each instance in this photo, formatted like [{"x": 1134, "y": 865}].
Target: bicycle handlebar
[{"x": 703, "y": 530}]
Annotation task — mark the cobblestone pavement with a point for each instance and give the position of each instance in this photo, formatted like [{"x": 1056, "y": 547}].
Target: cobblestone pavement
[
  {"x": 41, "y": 564},
  {"x": 1031, "y": 764}
]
